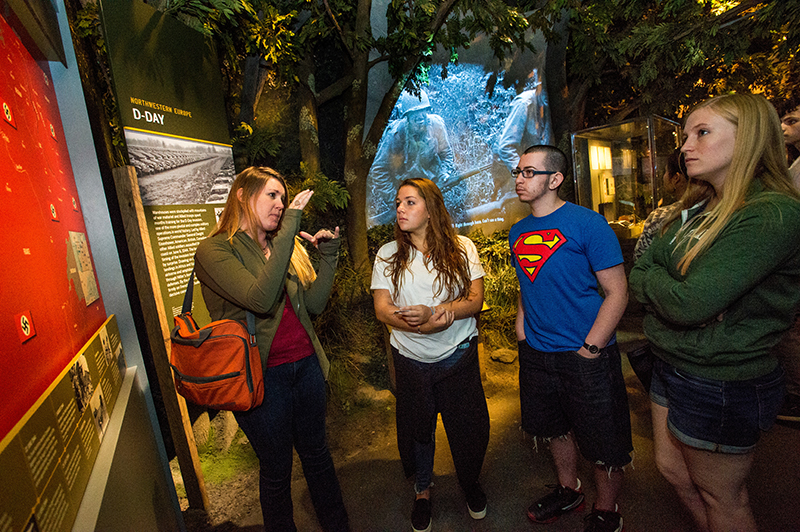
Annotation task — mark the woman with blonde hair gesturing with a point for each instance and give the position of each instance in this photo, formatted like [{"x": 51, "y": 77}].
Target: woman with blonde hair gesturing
[
  {"x": 428, "y": 286},
  {"x": 253, "y": 262},
  {"x": 721, "y": 286}
]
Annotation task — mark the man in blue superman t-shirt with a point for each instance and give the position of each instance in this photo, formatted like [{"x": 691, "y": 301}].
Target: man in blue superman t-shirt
[{"x": 572, "y": 391}]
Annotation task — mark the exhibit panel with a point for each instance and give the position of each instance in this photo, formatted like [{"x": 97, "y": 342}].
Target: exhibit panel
[
  {"x": 129, "y": 491},
  {"x": 167, "y": 80},
  {"x": 46, "y": 459},
  {"x": 48, "y": 285},
  {"x": 63, "y": 362}
]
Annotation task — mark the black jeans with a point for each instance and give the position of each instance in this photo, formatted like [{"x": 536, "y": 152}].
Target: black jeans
[{"x": 457, "y": 393}]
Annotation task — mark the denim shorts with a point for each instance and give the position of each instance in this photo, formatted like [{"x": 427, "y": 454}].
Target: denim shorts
[
  {"x": 564, "y": 392},
  {"x": 720, "y": 416}
]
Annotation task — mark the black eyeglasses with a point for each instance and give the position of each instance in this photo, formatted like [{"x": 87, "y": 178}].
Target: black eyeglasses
[{"x": 528, "y": 173}]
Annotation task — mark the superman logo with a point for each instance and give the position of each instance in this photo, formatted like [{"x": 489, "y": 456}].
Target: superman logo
[{"x": 535, "y": 248}]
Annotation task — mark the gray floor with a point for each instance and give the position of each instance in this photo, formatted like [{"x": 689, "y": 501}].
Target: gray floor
[{"x": 514, "y": 473}]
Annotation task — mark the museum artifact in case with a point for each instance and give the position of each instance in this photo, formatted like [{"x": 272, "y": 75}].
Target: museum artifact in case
[{"x": 618, "y": 169}]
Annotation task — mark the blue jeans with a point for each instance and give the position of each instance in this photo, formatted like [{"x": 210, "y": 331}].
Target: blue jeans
[{"x": 293, "y": 414}]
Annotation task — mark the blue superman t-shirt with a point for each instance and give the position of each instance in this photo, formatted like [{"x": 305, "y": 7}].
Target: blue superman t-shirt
[{"x": 555, "y": 258}]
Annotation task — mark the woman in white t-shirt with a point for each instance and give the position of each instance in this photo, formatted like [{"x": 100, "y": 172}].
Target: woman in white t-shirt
[{"x": 427, "y": 287}]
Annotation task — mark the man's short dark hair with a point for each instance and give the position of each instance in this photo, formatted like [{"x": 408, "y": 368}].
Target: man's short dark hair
[
  {"x": 786, "y": 106},
  {"x": 555, "y": 159}
]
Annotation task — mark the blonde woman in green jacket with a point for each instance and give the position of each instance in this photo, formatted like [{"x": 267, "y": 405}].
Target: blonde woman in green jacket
[
  {"x": 253, "y": 261},
  {"x": 721, "y": 286}
]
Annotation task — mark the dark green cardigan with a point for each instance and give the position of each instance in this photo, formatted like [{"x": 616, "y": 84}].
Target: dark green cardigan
[{"x": 722, "y": 319}]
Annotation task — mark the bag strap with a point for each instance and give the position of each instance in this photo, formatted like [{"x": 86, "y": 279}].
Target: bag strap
[
  {"x": 187, "y": 302},
  {"x": 187, "y": 299},
  {"x": 251, "y": 319}
]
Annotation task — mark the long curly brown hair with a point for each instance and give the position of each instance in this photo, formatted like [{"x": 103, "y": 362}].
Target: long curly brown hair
[{"x": 444, "y": 251}]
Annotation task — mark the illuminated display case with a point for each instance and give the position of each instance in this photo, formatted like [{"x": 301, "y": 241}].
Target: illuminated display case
[{"x": 618, "y": 169}]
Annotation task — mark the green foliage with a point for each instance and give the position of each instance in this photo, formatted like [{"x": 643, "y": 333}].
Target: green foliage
[
  {"x": 219, "y": 467},
  {"x": 326, "y": 207},
  {"x": 256, "y": 143},
  {"x": 416, "y": 28},
  {"x": 500, "y": 287},
  {"x": 242, "y": 28},
  {"x": 378, "y": 236},
  {"x": 87, "y": 24},
  {"x": 349, "y": 331},
  {"x": 272, "y": 36},
  {"x": 327, "y": 192},
  {"x": 662, "y": 56},
  {"x": 210, "y": 16}
]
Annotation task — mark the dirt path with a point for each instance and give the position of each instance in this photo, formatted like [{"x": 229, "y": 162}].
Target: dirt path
[{"x": 378, "y": 498}]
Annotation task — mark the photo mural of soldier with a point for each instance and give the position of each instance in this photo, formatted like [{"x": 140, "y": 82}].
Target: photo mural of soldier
[
  {"x": 415, "y": 145},
  {"x": 527, "y": 124},
  {"x": 459, "y": 131}
]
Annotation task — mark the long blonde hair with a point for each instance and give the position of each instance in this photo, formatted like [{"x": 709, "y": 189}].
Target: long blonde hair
[
  {"x": 239, "y": 212},
  {"x": 758, "y": 154}
]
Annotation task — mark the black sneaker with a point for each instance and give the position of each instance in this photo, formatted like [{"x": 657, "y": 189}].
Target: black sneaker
[
  {"x": 603, "y": 521},
  {"x": 476, "y": 502},
  {"x": 790, "y": 411},
  {"x": 560, "y": 501},
  {"x": 421, "y": 515}
]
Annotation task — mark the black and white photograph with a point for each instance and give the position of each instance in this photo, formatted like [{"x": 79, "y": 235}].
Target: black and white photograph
[
  {"x": 178, "y": 171},
  {"x": 464, "y": 130},
  {"x": 100, "y": 412},
  {"x": 105, "y": 341},
  {"x": 81, "y": 383}
]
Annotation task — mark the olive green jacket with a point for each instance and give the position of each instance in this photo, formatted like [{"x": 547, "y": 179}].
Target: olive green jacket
[{"x": 231, "y": 285}]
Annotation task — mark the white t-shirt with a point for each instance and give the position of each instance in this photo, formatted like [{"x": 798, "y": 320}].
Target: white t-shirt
[{"x": 417, "y": 289}]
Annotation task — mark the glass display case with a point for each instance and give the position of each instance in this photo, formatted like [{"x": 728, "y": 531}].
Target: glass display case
[{"x": 618, "y": 169}]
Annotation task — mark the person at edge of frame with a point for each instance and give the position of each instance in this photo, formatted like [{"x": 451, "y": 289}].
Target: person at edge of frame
[
  {"x": 720, "y": 286},
  {"x": 788, "y": 349}
]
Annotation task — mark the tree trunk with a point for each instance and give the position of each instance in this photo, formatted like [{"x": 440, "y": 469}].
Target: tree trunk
[
  {"x": 355, "y": 165},
  {"x": 355, "y": 175},
  {"x": 309, "y": 125},
  {"x": 255, "y": 75}
]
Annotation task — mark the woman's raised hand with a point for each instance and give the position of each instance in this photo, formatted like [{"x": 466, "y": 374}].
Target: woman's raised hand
[
  {"x": 301, "y": 200},
  {"x": 323, "y": 235}
]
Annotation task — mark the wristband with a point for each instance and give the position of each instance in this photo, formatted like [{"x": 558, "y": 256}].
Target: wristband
[
  {"x": 433, "y": 310},
  {"x": 419, "y": 331}
]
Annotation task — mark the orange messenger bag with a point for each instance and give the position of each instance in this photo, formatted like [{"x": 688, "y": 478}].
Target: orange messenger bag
[{"x": 217, "y": 366}]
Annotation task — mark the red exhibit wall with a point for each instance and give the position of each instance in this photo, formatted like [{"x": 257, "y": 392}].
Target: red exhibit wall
[{"x": 49, "y": 299}]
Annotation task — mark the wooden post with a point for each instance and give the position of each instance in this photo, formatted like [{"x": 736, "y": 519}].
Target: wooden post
[{"x": 158, "y": 329}]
